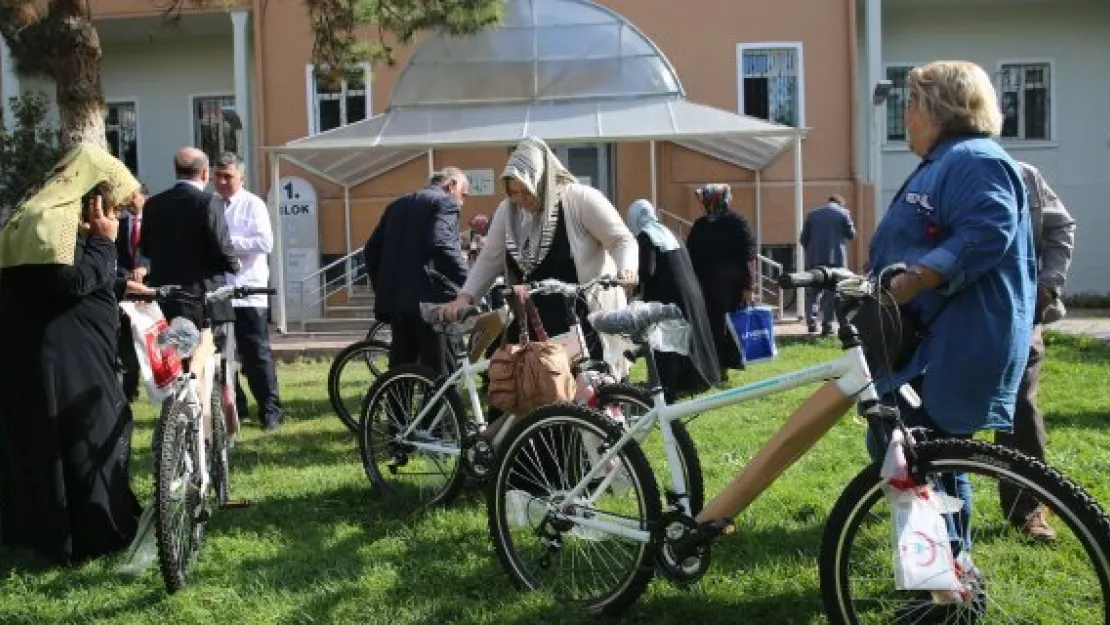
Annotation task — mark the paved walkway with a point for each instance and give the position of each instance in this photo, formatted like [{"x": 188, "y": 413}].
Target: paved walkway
[{"x": 1090, "y": 322}]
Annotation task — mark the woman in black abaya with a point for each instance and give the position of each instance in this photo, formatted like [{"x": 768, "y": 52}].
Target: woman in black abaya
[
  {"x": 667, "y": 276},
  {"x": 66, "y": 427}
]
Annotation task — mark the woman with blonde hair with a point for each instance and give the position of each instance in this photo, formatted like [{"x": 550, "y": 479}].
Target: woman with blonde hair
[{"x": 960, "y": 223}]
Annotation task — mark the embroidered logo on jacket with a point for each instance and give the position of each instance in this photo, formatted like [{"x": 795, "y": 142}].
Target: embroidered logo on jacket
[{"x": 921, "y": 201}]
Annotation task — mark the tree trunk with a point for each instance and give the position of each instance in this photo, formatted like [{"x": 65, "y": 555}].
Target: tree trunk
[
  {"x": 62, "y": 45},
  {"x": 76, "y": 66}
]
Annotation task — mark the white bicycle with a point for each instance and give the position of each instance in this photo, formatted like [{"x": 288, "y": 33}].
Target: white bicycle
[
  {"x": 192, "y": 465},
  {"x": 598, "y": 546}
]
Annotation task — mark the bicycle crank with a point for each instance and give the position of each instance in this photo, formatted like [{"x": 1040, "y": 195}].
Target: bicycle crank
[
  {"x": 479, "y": 456},
  {"x": 682, "y": 551},
  {"x": 235, "y": 503}
]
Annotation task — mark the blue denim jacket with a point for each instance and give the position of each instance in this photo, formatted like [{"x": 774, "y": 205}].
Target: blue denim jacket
[{"x": 964, "y": 214}]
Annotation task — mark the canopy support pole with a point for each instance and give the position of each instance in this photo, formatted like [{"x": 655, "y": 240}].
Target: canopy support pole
[
  {"x": 799, "y": 200},
  {"x": 347, "y": 229},
  {"x": 759, "y": 232},
  {"x": 654, "y": 176},
  {"x": 431, "y": 163},
  {"x": 279, "y": 251}
]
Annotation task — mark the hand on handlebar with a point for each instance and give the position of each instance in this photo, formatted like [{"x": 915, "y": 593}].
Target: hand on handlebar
[
  {"x": 138, "y": 288},
  {"x": 449, "y": 312}
]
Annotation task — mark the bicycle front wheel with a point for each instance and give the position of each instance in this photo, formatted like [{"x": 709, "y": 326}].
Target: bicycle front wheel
[
  {"x": 532, "y": 525},
  {"x": 177, "y": 496},
  {"x": 1010, "y": 577},
  {"x": 353, "y": 370},
  {"x": 426, "y": 463}
]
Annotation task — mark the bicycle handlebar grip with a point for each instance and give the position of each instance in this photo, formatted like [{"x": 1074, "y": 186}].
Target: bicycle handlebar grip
[{"x": 801, "y": 279}]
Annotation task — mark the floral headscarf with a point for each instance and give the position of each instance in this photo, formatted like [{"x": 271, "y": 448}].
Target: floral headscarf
[
  {"x": 715, "y": 199},
  {"x": 534, "y": 165},
  {"x": 43, "y": 229}
]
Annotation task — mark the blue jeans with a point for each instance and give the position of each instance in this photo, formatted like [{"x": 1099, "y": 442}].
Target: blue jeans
[{"x": 952, "y": 484}]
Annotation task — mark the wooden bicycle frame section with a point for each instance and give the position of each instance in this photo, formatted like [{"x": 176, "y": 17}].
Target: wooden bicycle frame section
[{"x": 847, "y": 380}]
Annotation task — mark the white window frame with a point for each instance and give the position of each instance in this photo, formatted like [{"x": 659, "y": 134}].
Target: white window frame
[
  {"x": 313, "y": 104},
  {"x": 896, "y": 144},
  {"x": 193, "y": 97},
  {"x": 1050, "y": 140},
  {"x": 133, "y": 101},
  {"x": 790, "y": 45}
]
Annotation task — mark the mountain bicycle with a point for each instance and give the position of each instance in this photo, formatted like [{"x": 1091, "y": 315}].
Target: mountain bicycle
[
  {"x": 613, "y": 541},
  {"x": 192, "y": 465},
  {"x": 414, "y": 424}
]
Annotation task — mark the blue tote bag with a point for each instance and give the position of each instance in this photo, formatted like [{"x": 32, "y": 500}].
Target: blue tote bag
[{"x": 753, "y": 328}]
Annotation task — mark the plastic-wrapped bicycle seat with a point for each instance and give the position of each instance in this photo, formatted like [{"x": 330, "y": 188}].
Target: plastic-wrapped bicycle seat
[{"x": 633, "y": 319}]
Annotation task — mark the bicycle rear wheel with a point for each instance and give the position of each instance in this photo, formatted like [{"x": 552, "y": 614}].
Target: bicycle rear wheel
[
  {"x": 1011, "y": 578},
  {"x": 177, "y": 496},
  {"x": 353, "y": 370},
  {"x": 544, "y": 456},
  {"x": 427, "y": 464},
  {"x": 219, "y": 452},
  {"x": 635, "y": 402}
]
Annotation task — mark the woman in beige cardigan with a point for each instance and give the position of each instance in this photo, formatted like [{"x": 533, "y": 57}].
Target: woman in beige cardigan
[{"x": 549, "y": 226}]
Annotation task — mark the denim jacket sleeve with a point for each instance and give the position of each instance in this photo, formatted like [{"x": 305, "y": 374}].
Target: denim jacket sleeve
[{"x": 978, "y": 208}]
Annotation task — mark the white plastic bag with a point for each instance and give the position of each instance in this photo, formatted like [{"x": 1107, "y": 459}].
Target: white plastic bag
[
  {"x": 159, "y": 365},
  {"x": 922, "y": 553}
]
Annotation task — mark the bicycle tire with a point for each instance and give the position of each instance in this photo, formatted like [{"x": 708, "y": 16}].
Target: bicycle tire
[
  {"x": 335, "y": 374},
  {"x": 641, "y": 573},
  {"x": 1074, "y": 507},
  {"x": 174, "y": 441},
  {"x": 218, "y": 451},
  {"x": 687, "y": 451},
  {"x": 377, "y": 332},
  {"x": 429, "y": 379}
]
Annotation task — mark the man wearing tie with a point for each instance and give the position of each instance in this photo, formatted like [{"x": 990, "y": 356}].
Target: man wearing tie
[
  {"x": 252, "y": 239},
  {"x": 130, "y": 265}
]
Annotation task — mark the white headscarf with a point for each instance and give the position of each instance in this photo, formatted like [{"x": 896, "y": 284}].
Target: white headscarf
[
  {"x": 642, "y": 218},
  {"x": 534, "y": 165}
]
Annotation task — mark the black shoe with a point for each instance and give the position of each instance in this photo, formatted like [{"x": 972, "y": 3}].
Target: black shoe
[
  {"x": 826, "y": 330},
  {"x": 273, "y": 423}
]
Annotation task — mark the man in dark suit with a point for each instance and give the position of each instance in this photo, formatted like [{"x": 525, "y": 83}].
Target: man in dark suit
[
  {"x": 824, "y": 236},
  {"x": 130, "y": 265},
  {"x": 185, "y": 240},
  {"x": 415, "y": 256}
]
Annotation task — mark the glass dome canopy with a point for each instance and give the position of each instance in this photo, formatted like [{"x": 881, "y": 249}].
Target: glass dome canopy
[{"x": 543, "y": 50}]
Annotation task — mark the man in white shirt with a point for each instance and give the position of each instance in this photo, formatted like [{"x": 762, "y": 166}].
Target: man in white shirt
[{"x": 248, "y": 223}]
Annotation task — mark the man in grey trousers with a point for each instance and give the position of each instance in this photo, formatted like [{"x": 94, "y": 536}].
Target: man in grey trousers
[
  {"x": 824, "y": 234},
  {"x": 1054, "y": 238}
]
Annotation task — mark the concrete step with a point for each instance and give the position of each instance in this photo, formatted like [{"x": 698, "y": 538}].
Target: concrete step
[
  {"x": 350, "y": 311},
  {"x": 336, "y": 325}
]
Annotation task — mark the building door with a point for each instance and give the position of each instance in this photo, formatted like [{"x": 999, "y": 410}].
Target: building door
[
  {"x": 590, "y": 164},
  {"x": 212, "y": 132}
]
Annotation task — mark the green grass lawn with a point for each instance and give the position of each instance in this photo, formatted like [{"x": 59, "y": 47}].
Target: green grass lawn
[{"x": 314, "y": 547}]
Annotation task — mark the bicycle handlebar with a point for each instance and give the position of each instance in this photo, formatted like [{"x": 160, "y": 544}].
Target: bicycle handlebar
[
  {"x": 551, "y": 286},
  {"x": 169, "y": 292},
  {"x": 818, "y": 277}
]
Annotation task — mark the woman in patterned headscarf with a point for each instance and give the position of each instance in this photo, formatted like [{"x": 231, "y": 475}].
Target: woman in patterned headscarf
[
  {"x": 722, "y": 250},
  {"x": 550, "y": 226},
  {"x": 65, "y": 426}
]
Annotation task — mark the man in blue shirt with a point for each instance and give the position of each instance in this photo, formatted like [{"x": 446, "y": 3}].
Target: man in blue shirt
[{"x": 824, "y": 234}]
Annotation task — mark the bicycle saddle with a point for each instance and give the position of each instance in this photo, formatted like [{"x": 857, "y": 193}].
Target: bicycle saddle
[{"x": 635, "y": 318}]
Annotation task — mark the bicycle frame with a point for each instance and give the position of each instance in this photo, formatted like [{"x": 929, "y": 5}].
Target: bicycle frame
[
  {"x": 847, "y": 380},
  {"x": 185, "y": 391},
  {"x": 467, "y": 370}
]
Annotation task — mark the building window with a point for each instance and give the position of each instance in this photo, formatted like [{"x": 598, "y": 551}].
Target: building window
[
  {"x": 122, "y": 129},
  {"x": 211, "y": 131},
  {"x": 335, "y": 101},
  {"x": 896, "y": 102},
  {"x": 772, "y": 83},
  {"x": 1025, "y": 93}
]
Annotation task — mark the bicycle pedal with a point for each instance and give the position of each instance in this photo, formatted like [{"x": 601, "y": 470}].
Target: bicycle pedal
[
  {"x": 720, "y": 527},
  {"x": 235, "y": 503}
]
